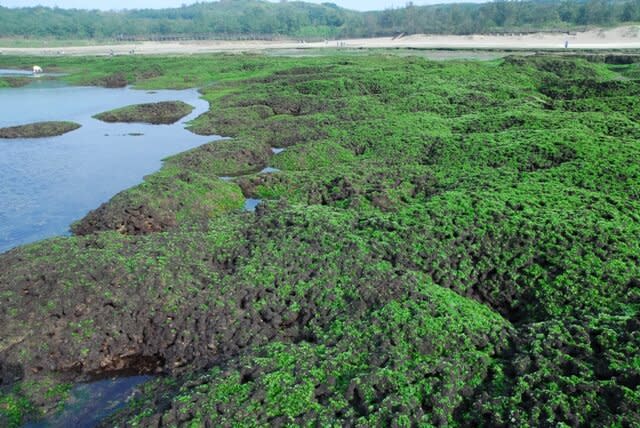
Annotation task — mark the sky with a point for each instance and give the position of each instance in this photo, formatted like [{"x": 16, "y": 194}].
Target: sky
[{"x": 141, "y": 4}]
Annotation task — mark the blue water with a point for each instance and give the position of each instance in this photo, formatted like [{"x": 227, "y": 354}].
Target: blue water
[
  {"x": 269, "y": 170},
  {"x": 14, "y": 72},
  {"x": 47, "y": 183},
  {"x": 251, "y": 204},
  {"x": 89, "y": 403}
]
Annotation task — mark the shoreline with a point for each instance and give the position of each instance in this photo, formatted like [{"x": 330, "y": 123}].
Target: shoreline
[
  {"x": 117, "y": 134},
  {"x": 627, "y": 37}
]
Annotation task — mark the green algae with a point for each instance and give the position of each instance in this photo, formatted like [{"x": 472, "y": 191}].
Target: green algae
[
  {"x": 38, "y": 130},
  {"x": 161, "y": 113},
  {"x": 445, "y": 244}
]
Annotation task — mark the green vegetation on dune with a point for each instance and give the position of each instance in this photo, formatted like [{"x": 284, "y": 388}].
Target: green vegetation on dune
[
  {"x": 165, "y": 113},
  {"x": 38, "y": 130},
  {"x": 445, "y": 244},
  {"x": 259, "y": 18},
  {"x": 52, "y": 41}
]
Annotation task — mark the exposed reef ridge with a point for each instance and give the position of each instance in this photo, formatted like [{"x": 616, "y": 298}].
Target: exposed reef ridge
[
  {"x": 38, "y": 130},
  {"x": 161, "y": 113},
  {"x": 444, "y": 244}
]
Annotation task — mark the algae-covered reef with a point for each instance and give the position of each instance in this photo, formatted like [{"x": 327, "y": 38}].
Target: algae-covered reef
[
  {"x": 445, "y": 244},
  {"x": 162, "y": 113},
  {"x": 38, "y": 130}
]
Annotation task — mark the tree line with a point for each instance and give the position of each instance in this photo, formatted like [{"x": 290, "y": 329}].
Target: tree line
[{"x": 305, "y": 20}]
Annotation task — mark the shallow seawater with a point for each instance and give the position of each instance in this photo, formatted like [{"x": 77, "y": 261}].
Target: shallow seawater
[
  {"x": 8, "y": 72},
  {"x": 16, "y": 72},
  {"x": 47, "y": 183},
  {"x": 251, "y": 204},
  {"x": 91, "y": 402},
  {"x": 269, "y": 170}
]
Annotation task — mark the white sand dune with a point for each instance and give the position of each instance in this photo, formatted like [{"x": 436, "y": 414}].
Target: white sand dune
[{"x": 627, "y": 37}]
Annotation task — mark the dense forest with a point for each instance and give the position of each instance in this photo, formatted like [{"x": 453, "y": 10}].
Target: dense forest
[{"x": 230, "y": 18}]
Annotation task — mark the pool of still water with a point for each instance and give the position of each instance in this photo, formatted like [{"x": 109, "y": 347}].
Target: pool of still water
[{"x": 47, "y": 183}]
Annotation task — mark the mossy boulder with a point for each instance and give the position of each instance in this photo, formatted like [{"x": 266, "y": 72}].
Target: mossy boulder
[
  {"x": 38, "y": 130},
  {"x": 115, "y": 80},
  {"x": 162, "y": 113},
  {"x": 164, "y": 200},
  {"x": 186, "y": 189},
  {"x": 226, "y": 157}
]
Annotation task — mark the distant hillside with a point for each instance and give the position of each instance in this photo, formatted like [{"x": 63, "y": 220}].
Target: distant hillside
[{"x": 255, "y": 18}]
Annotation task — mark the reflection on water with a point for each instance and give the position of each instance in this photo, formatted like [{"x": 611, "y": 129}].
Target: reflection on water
[
  {"x": 251, "y": 204},
  {"x": 11, "y": 72},
  {"x": 89, "y": 403},
  {"x": 47, "y": 183},
  {"x": 269, "y": 170},
  {"x": 6, "y": 72}
]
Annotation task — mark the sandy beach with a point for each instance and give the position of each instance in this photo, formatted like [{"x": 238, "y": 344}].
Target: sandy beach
[{"x": 627, "y": 37}]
